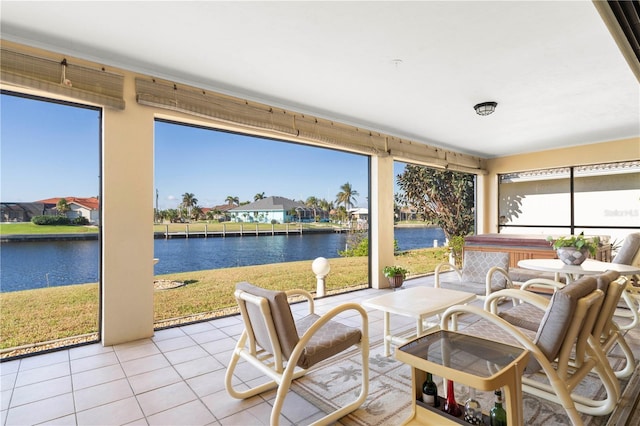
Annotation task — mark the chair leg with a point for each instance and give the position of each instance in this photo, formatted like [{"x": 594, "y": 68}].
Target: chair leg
[
  {"x": 288, "y": 377},
  {"x": 631, "y": 312},
  {"x": 616, "y": 337},
  {"x": 228, "y": 378}
]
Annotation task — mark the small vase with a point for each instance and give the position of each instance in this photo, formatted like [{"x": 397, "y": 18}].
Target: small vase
[
  {"x": 450, "y": 404},
  {"x": 572, "y": 256},
  {"x": 396, "y": 281}
]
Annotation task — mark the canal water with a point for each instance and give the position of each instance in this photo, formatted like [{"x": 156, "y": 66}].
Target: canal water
[{"x": 28, "y": 265}]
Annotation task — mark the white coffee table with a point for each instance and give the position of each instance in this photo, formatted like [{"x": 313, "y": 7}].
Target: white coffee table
[{"x": 415, "y": 302}]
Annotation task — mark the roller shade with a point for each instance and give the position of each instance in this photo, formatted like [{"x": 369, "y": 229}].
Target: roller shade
[
  {"x": 93, "y": 85},
  {"x": 294, "y": 126}
]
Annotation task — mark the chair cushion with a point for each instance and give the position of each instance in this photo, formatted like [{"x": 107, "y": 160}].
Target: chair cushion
[
  {"x": 477, "y": 263},
  {"x": 470, "y": 287},
  {"x": 330, "y": 339},
  {"x": 490, "y": 331},
  {"x": 524, "y": 316},
  {"x": 555, "y": 323},
  {"x": 282, "y": 318},
  {"x": 629, "y": 249}
]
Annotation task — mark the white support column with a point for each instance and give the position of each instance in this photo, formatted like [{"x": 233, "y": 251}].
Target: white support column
[
  {"x": 381, "y": 219},
  {"x": 127, "y": 213}
]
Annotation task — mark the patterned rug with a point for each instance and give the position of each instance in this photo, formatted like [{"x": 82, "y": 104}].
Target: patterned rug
[{"x": 389, "y": 401}]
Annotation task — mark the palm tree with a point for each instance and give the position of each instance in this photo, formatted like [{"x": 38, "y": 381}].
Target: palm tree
[
  {"x": 312, "y": 202},
  {"x": 196, "y": 212},
  {"x": 171, "y": 215},
  {"x": 62, "y": 206},
  {"x": 258, "y": 196},
  {"x": 232, "y": 200},
  {"x": 346, "y": 196},
  {"x": 326, "y": 207},
  {"x": 189, "y": 200}
]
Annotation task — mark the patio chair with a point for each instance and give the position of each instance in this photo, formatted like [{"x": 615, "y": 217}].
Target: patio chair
[
  {"x": 563, "y": 351},
  {"x": 628, "y": 255},
  {"x": 482, "y": 273},
  {"x": 613, "y": 286},
  {"x": 284, "y": 349}
]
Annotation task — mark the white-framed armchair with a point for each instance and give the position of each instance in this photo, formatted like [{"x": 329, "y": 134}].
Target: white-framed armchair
[
  {"x": 482, "y": 273},
  {"x": 284, "y": 349},
  {"x": 563, "y": 351},
  {"x": 629, "y": 254}
]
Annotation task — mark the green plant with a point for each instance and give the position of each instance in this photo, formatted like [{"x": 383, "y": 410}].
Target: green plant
[
  {"x": 80, "y": 220},
  {"x": 456, "y": 243},
  {"x": 50, "y": 220},
  {"x": 392, "y": 271},
  {"x": 576, "y": 241}
]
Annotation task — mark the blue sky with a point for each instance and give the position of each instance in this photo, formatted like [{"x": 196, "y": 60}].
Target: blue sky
[
  {"x": 51, "y": 150},
  {"x": 47, "y": 150}
]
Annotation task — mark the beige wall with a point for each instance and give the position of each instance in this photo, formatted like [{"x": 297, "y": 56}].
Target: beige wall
[
  {"x": 127, "y": 218},
  {"x": 606, "y": 152},
  {"x": 381, "y": 219}
]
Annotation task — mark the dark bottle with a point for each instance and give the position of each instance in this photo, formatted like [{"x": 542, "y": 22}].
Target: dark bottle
[
  {"x": 497, "y": 414},
  {"x": 430, "y": 392},
  {"x": 450, "y": 404}
]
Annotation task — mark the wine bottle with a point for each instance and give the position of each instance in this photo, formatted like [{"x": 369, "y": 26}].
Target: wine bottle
[
  {"x": 450, "y": 404},
  {"x": 498, "y": 415},
  {"x": 430, "y": 392}
]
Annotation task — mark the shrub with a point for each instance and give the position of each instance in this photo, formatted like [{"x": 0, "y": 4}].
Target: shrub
[
  {"x": 50, "y": 220},
  {"x": 80, "y": 220}
]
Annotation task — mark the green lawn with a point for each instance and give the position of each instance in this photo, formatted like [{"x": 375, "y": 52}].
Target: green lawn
[
  {"x": 35, "y": 316},
  {"x": 30, "y": 228}
]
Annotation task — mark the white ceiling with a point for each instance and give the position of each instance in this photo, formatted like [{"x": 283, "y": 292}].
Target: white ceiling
[{"x": 410, "y": 69}]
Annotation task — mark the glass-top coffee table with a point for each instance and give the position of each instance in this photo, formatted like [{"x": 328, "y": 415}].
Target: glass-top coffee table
[
  {"x": 415, "y": 302},
  {"x": 480, "y": 363}
]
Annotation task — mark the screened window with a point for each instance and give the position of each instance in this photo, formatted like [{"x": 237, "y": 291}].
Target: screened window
[{"x": 599, "y": 199}]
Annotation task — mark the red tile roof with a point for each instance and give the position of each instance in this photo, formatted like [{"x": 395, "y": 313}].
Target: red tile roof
[{"x": 91, "y": 203}]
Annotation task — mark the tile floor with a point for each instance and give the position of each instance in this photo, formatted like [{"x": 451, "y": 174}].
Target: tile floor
[{"x": 175, "y": 377}]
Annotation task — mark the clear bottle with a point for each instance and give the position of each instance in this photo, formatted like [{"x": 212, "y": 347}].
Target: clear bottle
[
  {"x": 450, "y": 404},
  {"x": 430, "y": 392},
  {"x": 472, "y": 410},
  {"x": 498, "y": 415}
]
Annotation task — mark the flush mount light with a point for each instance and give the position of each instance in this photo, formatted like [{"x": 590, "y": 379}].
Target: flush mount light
[{"x": 485, "y": 108}]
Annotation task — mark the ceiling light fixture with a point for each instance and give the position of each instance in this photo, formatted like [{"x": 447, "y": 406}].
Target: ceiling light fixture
[{"x": 485, "y": 108}]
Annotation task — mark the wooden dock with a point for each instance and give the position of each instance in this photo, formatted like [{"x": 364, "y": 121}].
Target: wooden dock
[{"x": 245, "y": 230}]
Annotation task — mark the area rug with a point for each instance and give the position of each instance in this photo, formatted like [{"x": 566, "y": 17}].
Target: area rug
[{"x": 389, "y": 400}]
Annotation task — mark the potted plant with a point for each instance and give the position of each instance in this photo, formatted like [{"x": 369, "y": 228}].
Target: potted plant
[
  {"x": 574, "y": 249},
  {"x": 396, "y": 275}
]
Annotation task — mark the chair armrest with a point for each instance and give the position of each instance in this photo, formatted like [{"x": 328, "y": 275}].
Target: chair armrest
[
  {"x": 499, "y": 270},
  {"x": 522, "y": 338},
  {"x": 542, "y": 282},
  {"x": 305, "y": 294},
  {"x": 444, "y": 267},
  {"x": 491, "y": 302}
]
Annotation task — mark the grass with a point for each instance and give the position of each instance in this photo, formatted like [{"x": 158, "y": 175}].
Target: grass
[
  {"x": 34, "y": 316},
  {"x": 27, "y": 228}
]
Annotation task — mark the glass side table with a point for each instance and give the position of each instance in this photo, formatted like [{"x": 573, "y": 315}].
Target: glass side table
[{"x": 480, "y": 363}]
